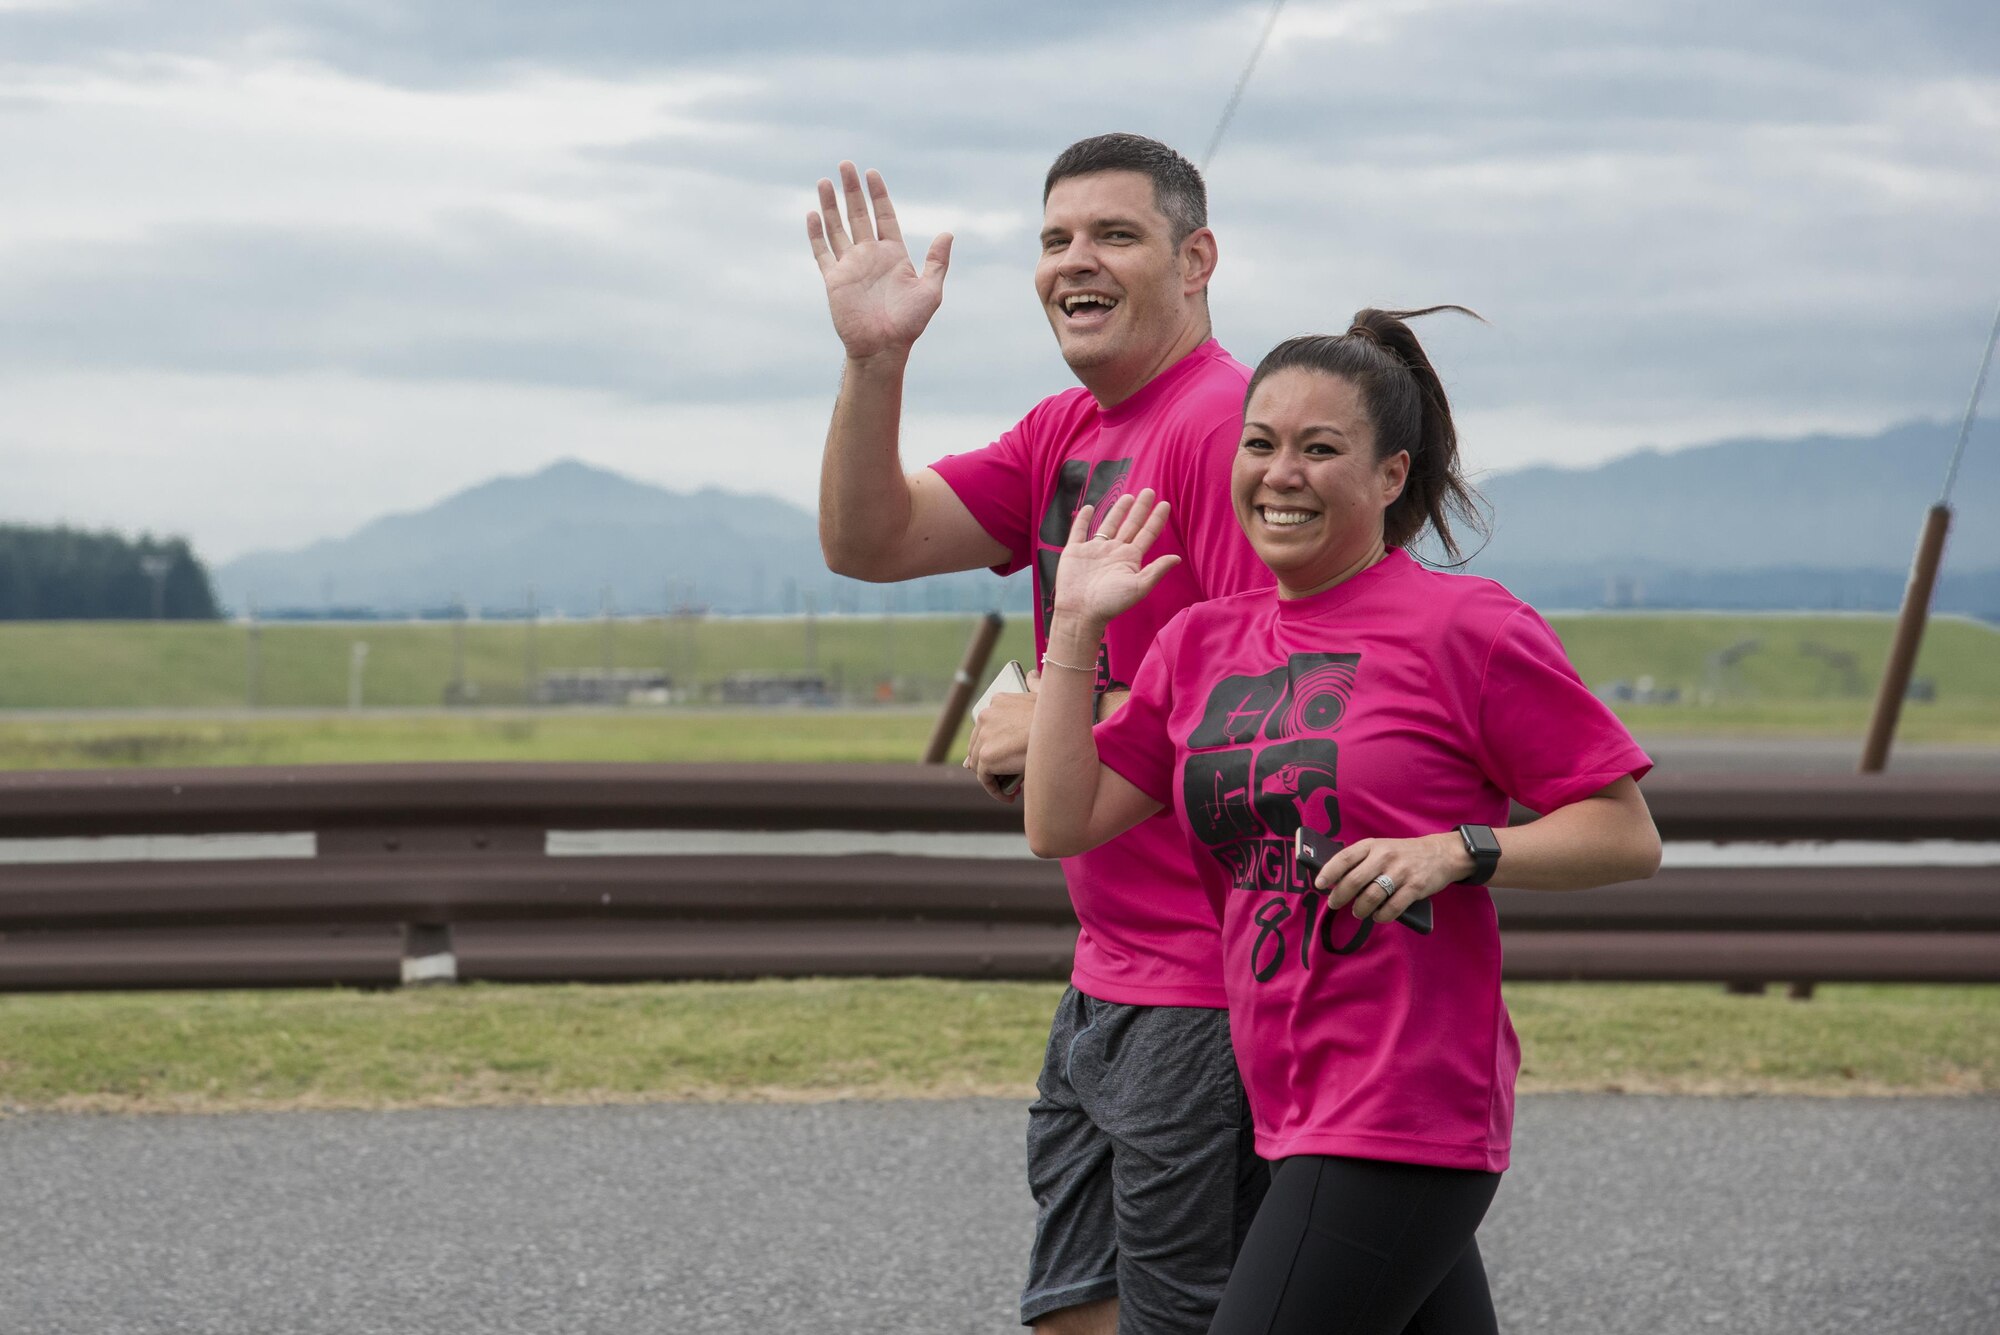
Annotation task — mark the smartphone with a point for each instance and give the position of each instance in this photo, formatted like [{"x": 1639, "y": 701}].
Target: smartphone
[
  {"x": 1010, "y": 680},
  {"x": 1312, "y": 849}
]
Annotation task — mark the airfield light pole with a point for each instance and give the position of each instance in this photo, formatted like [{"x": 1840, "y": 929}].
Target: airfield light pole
[
  {"x": 608, "y": 654},
  {"x": 156, "y": 567},
  {"x": 357, "y": 659},
  {"x": 253, "y": 664},
  {"x": 1917, "y": 597},
  {"x": 529, "y": 667},
  {"x": 457, "y": 650}
]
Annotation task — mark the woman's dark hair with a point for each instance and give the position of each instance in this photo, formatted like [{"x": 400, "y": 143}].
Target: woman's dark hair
[
  {"x": 1178, "y": 192},
  {"x": 1406, "y": 406}
]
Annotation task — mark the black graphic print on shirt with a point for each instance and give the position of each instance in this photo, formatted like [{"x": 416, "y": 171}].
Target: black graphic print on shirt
[
  {"x": 1264, "y": 763},
  {"x": 1080, "y": 483}
]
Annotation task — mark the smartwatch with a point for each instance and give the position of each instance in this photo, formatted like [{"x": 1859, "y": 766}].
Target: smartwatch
[{"x": 1485, "y": 850}]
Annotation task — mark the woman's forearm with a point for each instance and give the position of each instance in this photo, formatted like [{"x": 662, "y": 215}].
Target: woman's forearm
[
  {"x": 1598, "y": 840},
  {"x": 1060, "y": 790}
]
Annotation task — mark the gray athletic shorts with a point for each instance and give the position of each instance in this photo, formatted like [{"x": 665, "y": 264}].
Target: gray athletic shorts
[{"x": 1141, "y": 1160}]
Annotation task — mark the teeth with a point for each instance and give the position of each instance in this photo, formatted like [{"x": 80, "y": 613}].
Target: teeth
[
  {"x": 1285, "y": 518},
  {"x": 1071, "y": 304}
]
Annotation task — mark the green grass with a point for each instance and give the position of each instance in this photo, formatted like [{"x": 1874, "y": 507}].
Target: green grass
[
  {"x": 208, "y": 665},
  {"x": 896, "y": 734},
  {"x": 222, "y": 665},
  {"x": 1683, "y": 1039},
  {"x": 485, "y": 1044},
  {"x": 877, "y": 1038},
  {"x": 1791, "y": 684}
]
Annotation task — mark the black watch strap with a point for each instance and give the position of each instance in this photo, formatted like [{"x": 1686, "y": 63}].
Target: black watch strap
[{"x": 1485, "y": 850}]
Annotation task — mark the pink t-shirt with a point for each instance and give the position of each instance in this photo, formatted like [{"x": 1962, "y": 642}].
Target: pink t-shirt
[
  {"x": 1148, "y": 938},
  {"x": 1402, "y": 702}
]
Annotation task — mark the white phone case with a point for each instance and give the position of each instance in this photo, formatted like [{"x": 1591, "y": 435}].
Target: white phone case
[{"x": 1010, "y": 680}]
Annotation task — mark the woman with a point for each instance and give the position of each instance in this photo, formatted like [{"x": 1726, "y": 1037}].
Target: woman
[{"x": 1383, "y": 711}]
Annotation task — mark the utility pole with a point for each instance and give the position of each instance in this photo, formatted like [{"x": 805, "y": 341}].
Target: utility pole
[
  {"x": 357, "y": 659},
  {"x": 530, "y": 669},
  {"x": 457, "y": 650},
  {"x": 1923, "y": 582},
  {"x": 610, "y": 657},
  {"x": 253, "y": 661},
  {"x": 156, "y": 565}
]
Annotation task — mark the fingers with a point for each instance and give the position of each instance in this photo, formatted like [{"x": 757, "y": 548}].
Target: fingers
[
  {"x": 1079, "y": 526},
  {"x": 1144, "y": 522},
  {"x": 1350, "y": 877},
  {"x": 937, "y": 259},
  {"x": 1151, "y": 575},
  {"x": 991, "y": 784},
  {"x": 829, "y": 220},
  {"x": 886, "y": 225},
  {"x": 859, "y": 222},
  {"x": 1333, "y": 876},
  {"x": 1113, "y": 525},
  {"x": 972, "y": 743}
]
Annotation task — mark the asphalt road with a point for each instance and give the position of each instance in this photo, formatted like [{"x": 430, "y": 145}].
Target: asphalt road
[{"x": 1622, "y": 1214}]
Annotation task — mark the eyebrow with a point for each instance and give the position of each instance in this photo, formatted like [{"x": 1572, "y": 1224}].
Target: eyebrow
[
  {"x": 1328, "y": 428},
  {"x": 1129, "y": 224}
]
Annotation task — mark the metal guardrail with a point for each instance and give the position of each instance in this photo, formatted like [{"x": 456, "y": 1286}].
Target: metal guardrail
[{"x": 402, "y": 872}]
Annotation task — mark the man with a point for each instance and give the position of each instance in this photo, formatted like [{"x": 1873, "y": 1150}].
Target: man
[{"x": 1139, "y": 1150}]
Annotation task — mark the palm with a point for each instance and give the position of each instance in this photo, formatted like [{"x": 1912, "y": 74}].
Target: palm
[
  {"x": 1101, "y": 578},
  {"x": 1103, "y": 570},
  {"x": 878, "y": 299},
  {"x": 879, "y": 302}
]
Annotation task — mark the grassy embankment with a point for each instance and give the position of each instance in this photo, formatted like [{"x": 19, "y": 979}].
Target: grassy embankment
[
  {"x": 1791, "y": 684},
  {"x": 820, "y": 1038}
]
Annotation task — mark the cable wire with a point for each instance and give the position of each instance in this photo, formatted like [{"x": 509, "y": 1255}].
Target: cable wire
[
  {"x": 1242, "y": 82},
  {"x": 1971, "y": 411}
]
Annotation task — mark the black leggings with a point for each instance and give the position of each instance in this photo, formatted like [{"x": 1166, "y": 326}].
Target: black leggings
[{"x": 1363, "y": 1247}]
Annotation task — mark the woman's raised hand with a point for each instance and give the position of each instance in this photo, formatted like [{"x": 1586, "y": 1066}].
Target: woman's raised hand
[{"x": 1103, "y": 569}]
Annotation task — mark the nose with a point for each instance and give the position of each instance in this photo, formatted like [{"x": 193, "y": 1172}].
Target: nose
[
  {"x": 1077, "y": 258},
  {"x": 1285, "y": 470}
]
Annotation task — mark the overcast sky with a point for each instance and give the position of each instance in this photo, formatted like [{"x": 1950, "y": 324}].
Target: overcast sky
[{"x": 270, "y": 270}]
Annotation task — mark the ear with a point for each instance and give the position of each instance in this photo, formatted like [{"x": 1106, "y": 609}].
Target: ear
[
  {"x": 1198, "y": 257},
  {"x": 1394, "y": 472}
]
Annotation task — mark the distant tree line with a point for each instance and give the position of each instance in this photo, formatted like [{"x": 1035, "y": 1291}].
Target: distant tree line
[{"x": 66, "y": 574}]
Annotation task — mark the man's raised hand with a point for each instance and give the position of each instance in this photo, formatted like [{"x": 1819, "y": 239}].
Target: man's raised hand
[{"x": 879, "y": 302}]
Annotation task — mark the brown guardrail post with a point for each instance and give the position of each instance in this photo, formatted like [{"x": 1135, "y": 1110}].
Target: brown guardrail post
[
  {"x": 427, "y": 954},
  {"x": 1909, "y": 638},
  {"x": 963, "y": 682}
]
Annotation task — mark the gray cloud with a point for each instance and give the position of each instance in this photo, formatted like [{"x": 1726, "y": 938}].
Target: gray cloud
[
  {"x": 446, "y": 42},
  {"x": 1672, "y": 211}
]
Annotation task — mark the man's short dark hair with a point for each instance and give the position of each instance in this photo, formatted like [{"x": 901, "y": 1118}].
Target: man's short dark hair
[{"x": 1178, "y": 192}]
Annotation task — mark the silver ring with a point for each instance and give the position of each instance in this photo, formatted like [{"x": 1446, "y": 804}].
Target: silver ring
[{"x": 1388, "y": 885}]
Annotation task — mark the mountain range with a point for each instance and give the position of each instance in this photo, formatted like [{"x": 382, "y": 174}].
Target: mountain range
[{"x": 1819, "y": 521}]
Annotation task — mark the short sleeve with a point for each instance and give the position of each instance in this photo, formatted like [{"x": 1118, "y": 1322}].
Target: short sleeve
[
  {"x": 1542, "y": 736},
  {"x": 1219, "y": 554},
  {"x": 1135, "y": 742},
  {"x": 996, "y": 485}
]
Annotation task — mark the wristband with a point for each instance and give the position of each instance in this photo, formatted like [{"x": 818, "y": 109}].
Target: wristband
[{"x": 1484, "y": 847}]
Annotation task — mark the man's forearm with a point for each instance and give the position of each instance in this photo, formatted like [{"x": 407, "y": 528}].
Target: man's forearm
[{"x": 864, "y": 501}]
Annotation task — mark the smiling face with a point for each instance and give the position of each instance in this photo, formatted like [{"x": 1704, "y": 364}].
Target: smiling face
[
  {"x": 1125, "y": 301},
  {"x": 1307, "y": 486}
]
